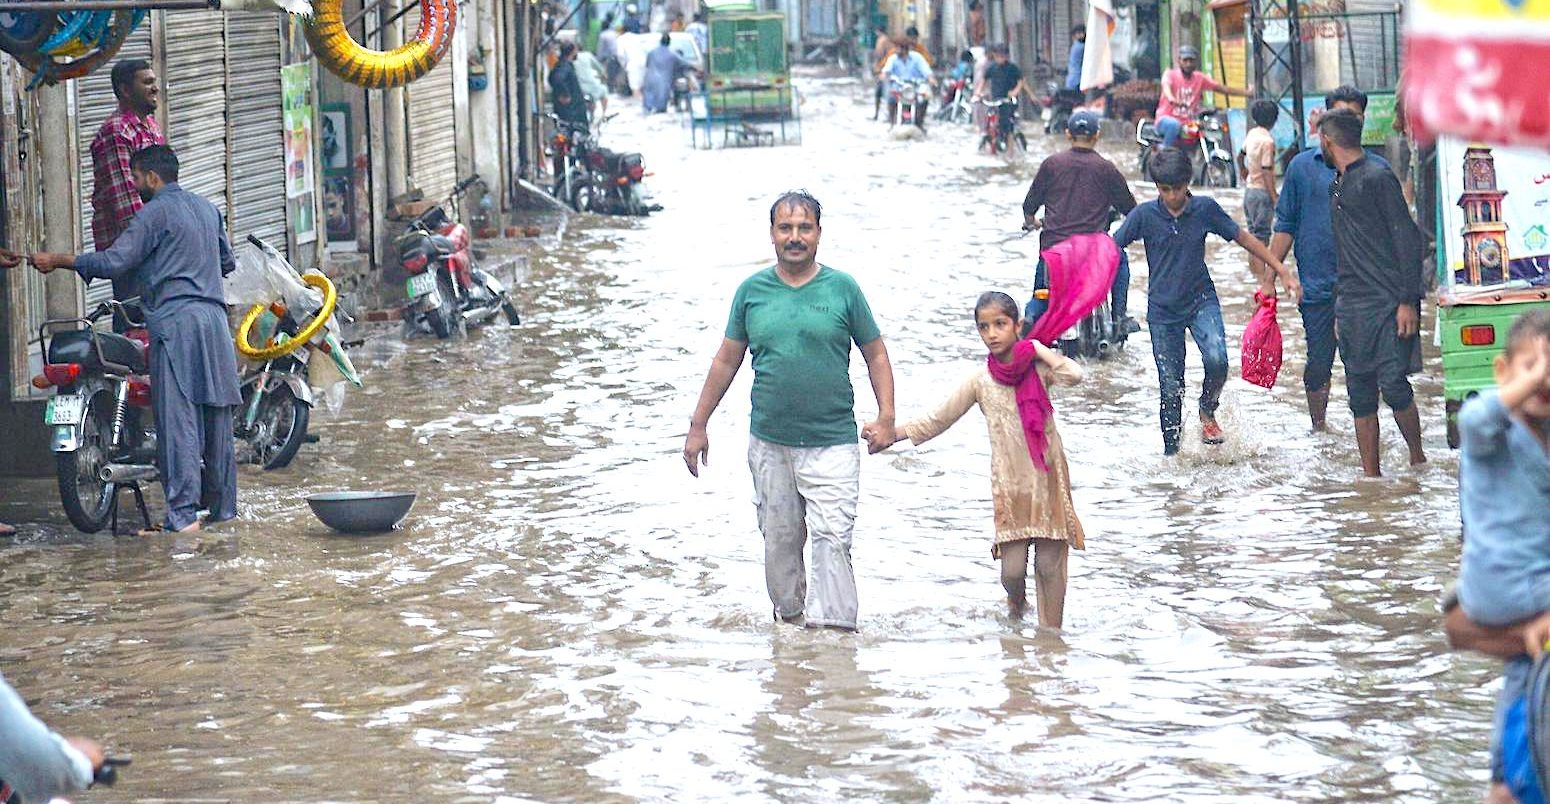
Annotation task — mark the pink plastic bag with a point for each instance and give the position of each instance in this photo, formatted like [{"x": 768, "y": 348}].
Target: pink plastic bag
[{"x": 1262, "y": 344}]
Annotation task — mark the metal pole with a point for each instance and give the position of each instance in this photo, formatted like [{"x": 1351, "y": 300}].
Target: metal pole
[{"x": 1294, "y": 30}]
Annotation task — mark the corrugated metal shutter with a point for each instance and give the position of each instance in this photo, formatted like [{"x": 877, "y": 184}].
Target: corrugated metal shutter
[
  {"x": 1065, "y": 17},
  {"x": 1370, "y": 49},
  {"x": 432, "y": 136},
  {"x": 253, "y": 109},
  {"x": 823, "y": 18},
  {"x": 94, "y": 101},
  {"x": 195, "y": 81}
]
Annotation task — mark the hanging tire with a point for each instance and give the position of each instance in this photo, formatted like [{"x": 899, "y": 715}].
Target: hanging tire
[
  {"x": 280, "y": 428},
  {"x": 87, "y": 499}
]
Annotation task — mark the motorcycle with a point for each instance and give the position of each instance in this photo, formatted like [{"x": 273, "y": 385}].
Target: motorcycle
[
  {"x": 957, "y": 103},
  {"x": 1098, "y": 335},
  {"x": 994, "y": 140},
  {"x": 277, "y": 398},
  {"x": 597, "y": 179},
  {"x": 446, "y": 289},
  {"x": 1060, "y": 103},
  {"x": 1205, "y": 140},
  {"x": 904, "y": 101}
]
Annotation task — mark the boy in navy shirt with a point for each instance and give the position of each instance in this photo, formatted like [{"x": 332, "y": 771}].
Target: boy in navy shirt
[{"x": 1181, "y": 295}]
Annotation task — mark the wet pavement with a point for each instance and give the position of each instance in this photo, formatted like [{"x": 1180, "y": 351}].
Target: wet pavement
[{"x": 569, "y": 616}]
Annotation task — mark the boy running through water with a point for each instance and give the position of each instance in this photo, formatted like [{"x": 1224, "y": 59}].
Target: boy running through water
[{"x": 1182, "y": 296}]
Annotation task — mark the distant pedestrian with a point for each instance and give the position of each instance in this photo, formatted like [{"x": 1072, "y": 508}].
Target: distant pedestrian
[
  {"x": 978, "y": 29},
  {"x": 663, "y": 65},
  {"x": 129, "y": 128},
  {"x": 1074, "y": 59},
  {"x": 798, "y": 319},
  {"x": 593, "y": 79},
  {"x": 632, "y": 23},
  {"x": 701, "y": 33},
  {"x": 176, "y": 248},
  {"x": 1259, "y": 181},
  {"x": 1032, "y": 495},
  {"x": 570, "y": 102},
  {"x": 882, "y": 49},
  {"x": 1378, "y": 297},
  {"x": 1182, "y": 296},
  {"x": 608, "y": 53},
  {"x": 1302, "y": 214}
]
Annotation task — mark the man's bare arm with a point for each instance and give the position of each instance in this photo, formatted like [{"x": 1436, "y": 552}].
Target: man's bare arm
[
  {"x": 880, "y": 371},
  {"x": 729, "y": 358}
]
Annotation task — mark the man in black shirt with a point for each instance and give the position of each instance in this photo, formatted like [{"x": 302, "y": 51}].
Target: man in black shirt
[
  {"x": 1080, "y": 193},
  {"x": 570, "y": 104},
  {"x": 1003, "y": 79},
  {"x": 1378, "y": 289}
]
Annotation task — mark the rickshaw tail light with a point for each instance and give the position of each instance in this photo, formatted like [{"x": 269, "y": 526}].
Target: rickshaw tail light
[
  {"x": 1478, "y": 335},
  {"x": 58, "y": 374}
]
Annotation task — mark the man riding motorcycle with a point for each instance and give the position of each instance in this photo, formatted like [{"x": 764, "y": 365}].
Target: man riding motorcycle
[
  {"x": 1182, "y": 87},
  {"x": 1003, "y": 79},
  {"x": 902, "y": 67},
  {"x": 1080, "y": 193}
]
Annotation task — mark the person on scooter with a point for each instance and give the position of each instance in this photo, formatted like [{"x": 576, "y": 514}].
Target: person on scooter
[
  {"x": 176, "y": 249},
  {"x": 1081, "y": 193},
  {"x": 1003, "y": 79},
  {"x": 1182, "y": 88},
  {"x": 904, "y": 66},
  {"x": 36, "y": 763}
]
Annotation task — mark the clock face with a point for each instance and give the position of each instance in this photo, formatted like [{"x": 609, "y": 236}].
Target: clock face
[{"x": 1490, "y": 254}]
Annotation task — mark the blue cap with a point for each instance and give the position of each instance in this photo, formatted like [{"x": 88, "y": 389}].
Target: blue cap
[{"x": 1083, "y": 123}]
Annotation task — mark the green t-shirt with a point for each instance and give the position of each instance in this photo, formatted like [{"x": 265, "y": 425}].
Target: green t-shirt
[{"x": 800, "y": 340}]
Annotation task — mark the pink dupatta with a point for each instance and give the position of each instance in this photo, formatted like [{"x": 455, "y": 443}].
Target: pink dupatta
[{"x": 1080, "y": 271}]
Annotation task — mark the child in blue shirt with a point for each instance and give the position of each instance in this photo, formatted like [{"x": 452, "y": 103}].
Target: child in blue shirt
[
  {"x": 1181, "y": 295},
  {"x": 1504, "y": 496}
]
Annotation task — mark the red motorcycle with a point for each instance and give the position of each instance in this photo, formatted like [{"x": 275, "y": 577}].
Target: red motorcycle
[{"x": 446, "y": 289}]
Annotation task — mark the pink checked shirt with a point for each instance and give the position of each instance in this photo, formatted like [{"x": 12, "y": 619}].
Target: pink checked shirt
[{"x": 114, "y": 200}]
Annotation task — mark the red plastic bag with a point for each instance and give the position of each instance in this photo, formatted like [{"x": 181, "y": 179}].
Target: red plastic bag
[{"x": 1262, "y": 344}]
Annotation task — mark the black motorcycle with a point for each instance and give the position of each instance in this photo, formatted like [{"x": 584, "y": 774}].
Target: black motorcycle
[
  {"x": 447, "y": 290},
  {"x": 591, "y": 178}
]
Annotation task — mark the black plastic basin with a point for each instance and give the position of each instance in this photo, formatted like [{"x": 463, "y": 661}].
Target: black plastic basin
[{"x": 362, "y": 511}]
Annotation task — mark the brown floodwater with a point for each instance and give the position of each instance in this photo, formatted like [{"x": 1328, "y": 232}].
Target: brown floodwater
[{"x": 567, "y": 615}]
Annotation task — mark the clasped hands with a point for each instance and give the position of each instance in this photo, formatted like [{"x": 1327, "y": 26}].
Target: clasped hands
[{"x": 44, "y": 261}]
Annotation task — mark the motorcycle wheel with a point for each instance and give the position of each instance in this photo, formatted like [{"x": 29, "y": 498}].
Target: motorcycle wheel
[
  {"x": 1146, "y": 164},
  {"x": 444, "y": 318},
  {"x": 510, "y": 310},
  {"x": 88, "y": 501},
  {"x": 280, "y": 428},
  {"x": 1218, "y": 174}
]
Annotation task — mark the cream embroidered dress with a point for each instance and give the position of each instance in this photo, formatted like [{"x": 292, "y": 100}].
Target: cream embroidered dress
[{"x": 1029, "y": 504}]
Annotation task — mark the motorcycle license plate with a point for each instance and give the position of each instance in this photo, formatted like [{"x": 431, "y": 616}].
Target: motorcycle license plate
[
  {"x": 65, "y": 409},
  {"x": 420, "y": 285}
]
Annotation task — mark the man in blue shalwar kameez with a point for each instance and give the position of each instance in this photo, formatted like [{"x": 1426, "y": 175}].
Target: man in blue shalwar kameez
[
  {"x": 662, "y": 66},
  {"x": 176, "y": 250}
]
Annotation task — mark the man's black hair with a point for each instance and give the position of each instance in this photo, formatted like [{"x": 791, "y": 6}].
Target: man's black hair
[
  {"x": 1343, "y": 127},
  {"x": 158, "y": 159},
  {"x": 801, "y": 199},
  {"x": 123, "y": 75},
  {"x": 1079, "y": 28},
  {"x": 667, "y": 38},
  {"x": 1264, "y": 112},
  {"x": 1171, "y": 166},
  {"x": 912, "y": 32},
  {"x": 1346, "y": 94},
  {"x": 566, "y": 49}
]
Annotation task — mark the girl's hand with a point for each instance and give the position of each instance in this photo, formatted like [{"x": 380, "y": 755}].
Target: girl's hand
[{"x": 1045, "y": 354}]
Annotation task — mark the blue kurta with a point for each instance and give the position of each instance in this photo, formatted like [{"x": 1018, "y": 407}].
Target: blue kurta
[
  {"x": 662, "y": 64},
  {"x": 176, "y": 251}
]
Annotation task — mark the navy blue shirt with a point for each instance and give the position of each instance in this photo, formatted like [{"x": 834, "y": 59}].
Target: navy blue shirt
[
  {"x": 1303, "y": 212},
  {"x": 1176, "y": 254}
]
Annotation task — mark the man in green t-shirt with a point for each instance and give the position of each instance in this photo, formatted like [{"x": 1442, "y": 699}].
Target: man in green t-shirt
[{"x": 798, "y": 319}]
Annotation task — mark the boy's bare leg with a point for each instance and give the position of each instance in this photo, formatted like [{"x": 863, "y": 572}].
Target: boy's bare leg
[
  {"x": 1318, "y": 405},
  {"x": 1049, "y": 576},
  {"x": 1409, "y": 421},
  {"x": 1367, "y": 444},
  {"x": 1014, "y": 577}
]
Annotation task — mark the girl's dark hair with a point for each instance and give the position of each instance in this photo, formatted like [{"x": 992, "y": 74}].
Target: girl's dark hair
[
  {"x": 801, "y": 199},
  {"x": 995, "y": 298}
]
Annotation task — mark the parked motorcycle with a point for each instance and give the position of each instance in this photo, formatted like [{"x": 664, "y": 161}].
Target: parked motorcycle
[
  {"x": 446, "y": 289},
  {"x": 277, "y": 398},
  {"x": 905, "y": 99},
  {"x": 1060, "y": 103},
  {"x": 1204, "y": 138},
  {"x": 994, "y": 140},
  {"x": 957, "y": 102},
  {"x": 597, "y": 179}
]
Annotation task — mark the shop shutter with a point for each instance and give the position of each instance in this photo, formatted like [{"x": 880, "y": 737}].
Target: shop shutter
[
  {"x": 1370, "y": 45},
  {"x": 194, "y": 78},
  {"x": 1065, "y": 17},
  {"x": 253, "y": 110},
  {"x": 432, "y": 136},
  {"x": 94, "y": 101}
]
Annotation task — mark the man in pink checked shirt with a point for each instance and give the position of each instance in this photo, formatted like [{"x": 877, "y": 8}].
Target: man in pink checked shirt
[{"x": 114, "y": 199}]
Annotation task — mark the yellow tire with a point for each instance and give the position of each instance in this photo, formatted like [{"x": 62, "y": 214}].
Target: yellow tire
[
  {"x": 273, "y": 350},
  {"x": 338, "y": 51}
]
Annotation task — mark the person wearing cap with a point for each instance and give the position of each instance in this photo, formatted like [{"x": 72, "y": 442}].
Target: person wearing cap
[
  {"x": 1182, "y": 87},
  {"x": 1081, "y": 193},
  {"x": 632, "y": 19}
]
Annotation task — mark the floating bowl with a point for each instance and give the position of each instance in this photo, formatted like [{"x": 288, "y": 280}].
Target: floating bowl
[{"x": 362, "y": 511}]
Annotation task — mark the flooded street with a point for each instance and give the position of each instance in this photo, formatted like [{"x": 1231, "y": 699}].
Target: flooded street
[{"x": 570, "y": 616}]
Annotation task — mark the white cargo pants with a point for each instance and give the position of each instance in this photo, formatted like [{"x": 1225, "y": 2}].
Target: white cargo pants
[{"x": 801, "y": 492}]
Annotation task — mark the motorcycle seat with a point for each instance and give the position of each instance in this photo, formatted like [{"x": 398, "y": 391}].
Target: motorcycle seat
[
  {"x": 443, "y": 245},
  {"x": 75, "y": 346},
  {"x": 1149, "y": 131}
]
